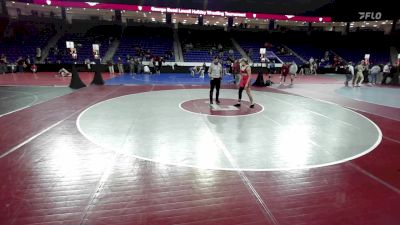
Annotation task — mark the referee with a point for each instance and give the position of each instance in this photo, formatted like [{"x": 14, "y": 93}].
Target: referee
[{"x": 215, "y": 73}]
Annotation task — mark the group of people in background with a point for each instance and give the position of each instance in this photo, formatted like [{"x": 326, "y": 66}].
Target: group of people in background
[
  {"x": 136, "y": 66},
  {"x": 20, "y": 65},
  {"x": 369, "y": 73}
]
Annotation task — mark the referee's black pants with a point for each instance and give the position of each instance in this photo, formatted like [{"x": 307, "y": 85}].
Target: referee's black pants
[{"x": 214, "y": 83}]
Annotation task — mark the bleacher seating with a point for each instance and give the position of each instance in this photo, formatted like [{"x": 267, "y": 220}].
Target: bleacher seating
[
  {"x": 202, "y": 42},
  {"x": 83, "y": 42},
  {"x": 25, "y": 37},
  {"x": 157, "y": 40},
  {"x": 252, "y": 41},
  {"x": 199, "y": 44},
  {"x": 354, "y": 47}
]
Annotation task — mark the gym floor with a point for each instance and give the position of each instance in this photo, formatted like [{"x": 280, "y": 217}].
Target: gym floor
[{"x": 149, "y": 149}]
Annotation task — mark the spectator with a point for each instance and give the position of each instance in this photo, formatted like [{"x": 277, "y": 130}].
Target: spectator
[
  {"x": 3, "y": 64},
  {"x": 231, "y": 53},
  {"x": 349, "y": 73},
  {"x": 284, "y": 73},
  {"x": 38, "y": 54},
  {"x": 33, "y": 68},
  {"x": 313, "y": 66},
  {"x": 110, "y": 65},
  {"x": 20, "y": 64},
  {"x": 151, "y": 65},
  {"x": 197, "y": 70},
  {"x": 120, "y": 66},
  {"x": 293, "y": 71},
  {"x": 87, "y": 63},
  {"x": 159, "y": 63},
  {"x": 132, "y": 66},
  {"x": 366, "y": 71},
  {"x": 386, "y": 73},
  {"x": 359, "y": 76},
  {"x": 302, "y": 68},
  {"x": 64, "y": 73},
  {"x": 326, "y": 56},
  {"x": 271, "y": 67},
  {"x": 375, "y": 70},
  {"x": 28, "y": 60},
  {"x": 139, "y": 65},
  {"x": 220, "y": 48}
]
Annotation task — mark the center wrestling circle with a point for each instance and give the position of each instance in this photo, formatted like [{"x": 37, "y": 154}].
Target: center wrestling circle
[
  {"x": 178, "y": 127},
  {"x": 224, "y": 108}
]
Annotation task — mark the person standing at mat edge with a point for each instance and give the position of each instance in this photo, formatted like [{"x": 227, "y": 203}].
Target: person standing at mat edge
[
  {"x": 245, "y": 72},
  {"x": 215, "y": 73}
]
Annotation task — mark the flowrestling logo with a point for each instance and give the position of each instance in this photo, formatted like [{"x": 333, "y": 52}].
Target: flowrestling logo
[{"x": 370, "y": 15}]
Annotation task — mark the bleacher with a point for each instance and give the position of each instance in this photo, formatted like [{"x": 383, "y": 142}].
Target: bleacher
[
  {"x": 252, "y": 41},
  {"x": 205, "y": 44},
  {"x": 355, "y": 46},
  {"x": 157, "y": 40},
  {"x": 25, "y": 37},
  {"x": 84, "y": 41}
]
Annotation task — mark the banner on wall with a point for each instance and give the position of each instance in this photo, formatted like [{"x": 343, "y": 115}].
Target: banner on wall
[
  {"x": 248, "y": 15},
  {"x": 96, "y": 51},
  {"x": 70, "y": 44},
  {"x": 366, "y": 59}
]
